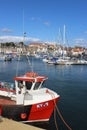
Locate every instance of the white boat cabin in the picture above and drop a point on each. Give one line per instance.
(23, 85)
(29, 82)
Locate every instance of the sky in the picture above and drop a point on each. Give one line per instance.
(44, 20)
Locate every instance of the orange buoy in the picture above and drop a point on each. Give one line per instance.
(23, 115)
(31, 74)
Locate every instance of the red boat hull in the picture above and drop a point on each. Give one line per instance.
(30, 113)
(42, 111)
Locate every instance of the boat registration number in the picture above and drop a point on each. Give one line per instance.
(42, 105)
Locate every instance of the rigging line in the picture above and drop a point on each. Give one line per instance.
(17, 65)
(29, 63)
(26, 54)
(24, 35)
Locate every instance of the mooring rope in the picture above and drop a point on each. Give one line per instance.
(62, 118)
(60, 115)
(55, 120)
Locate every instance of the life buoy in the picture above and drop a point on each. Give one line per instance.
(31, 74)
(23, 115)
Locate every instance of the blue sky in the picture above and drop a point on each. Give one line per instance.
(42, 20)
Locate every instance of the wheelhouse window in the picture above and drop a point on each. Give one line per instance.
(28, 85)
(37, 84)
(20, 84)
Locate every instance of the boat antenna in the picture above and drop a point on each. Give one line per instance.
(24, 38)
(29, 63)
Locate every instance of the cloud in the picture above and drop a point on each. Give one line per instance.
(17, 39)
(85, 32)
(35, 19)
(46, 23)
(80, 42)
(39, 20)
(6, 30)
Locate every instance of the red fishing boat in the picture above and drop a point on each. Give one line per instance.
(27, 100)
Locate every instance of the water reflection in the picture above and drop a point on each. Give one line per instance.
(68, 81)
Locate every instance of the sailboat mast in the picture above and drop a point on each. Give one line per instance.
(63, 40)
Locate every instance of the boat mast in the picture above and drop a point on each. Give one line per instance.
(64, 35)
(59, 37)
(64, 41)
(24, 36)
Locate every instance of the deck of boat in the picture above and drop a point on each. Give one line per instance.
(4, 101)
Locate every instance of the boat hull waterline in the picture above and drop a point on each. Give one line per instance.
(29, 113)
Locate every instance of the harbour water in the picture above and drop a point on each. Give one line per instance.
(69, 81)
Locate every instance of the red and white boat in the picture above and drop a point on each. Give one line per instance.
(27, 100)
